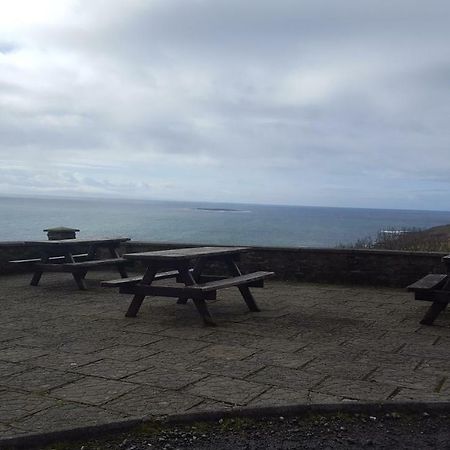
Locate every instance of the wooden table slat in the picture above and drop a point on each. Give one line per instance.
(184, 253)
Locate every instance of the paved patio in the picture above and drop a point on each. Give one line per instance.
(70, 358)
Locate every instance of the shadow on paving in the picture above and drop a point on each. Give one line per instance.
(71, 359)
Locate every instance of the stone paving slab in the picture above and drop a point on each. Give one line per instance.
(70, 358)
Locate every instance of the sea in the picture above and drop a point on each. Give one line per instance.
(206, 223)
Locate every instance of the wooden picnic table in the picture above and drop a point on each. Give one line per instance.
(64, 256)
(187, 266)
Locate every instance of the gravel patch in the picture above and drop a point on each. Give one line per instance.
(329, 431)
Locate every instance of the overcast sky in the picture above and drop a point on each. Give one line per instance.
(319, 102)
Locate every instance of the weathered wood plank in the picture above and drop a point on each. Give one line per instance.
(52, 259)
(180, 254)
(78, 266)
(133, 280)
(165, 291)
(228, 282)
(431, 281)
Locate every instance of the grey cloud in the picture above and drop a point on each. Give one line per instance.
(314, 98)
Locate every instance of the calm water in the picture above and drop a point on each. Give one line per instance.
(214, 224)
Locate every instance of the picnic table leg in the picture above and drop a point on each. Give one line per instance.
(136, 303)
(115, 254)
(244, 290)
(79, 279)
(433, 311)
(38, 273)
(202, 309)
(36, 277)
(78, 276)
(199, 303)
(198, 269)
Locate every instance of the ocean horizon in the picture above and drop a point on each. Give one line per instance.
(25, 218)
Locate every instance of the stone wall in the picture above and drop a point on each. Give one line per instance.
(370, 267)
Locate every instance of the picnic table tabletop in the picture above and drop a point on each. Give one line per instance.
(180, 254)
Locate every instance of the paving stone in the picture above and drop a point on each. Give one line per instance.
(287, 378)
(44, 341)
(227, 352)
(444, 389)
(177, 345)
(93, 391)
(63, 361)
(228, 368)
(135, 339)
(259, 329)
(435, 366)
(144, 326)
(380, 345)
(6, 431)
(230, 337)
(407, 379)
(211, 405)
(341, 368)
(153, 401)
(410, 338)
(7, 368)
(353, 389)
(39, 379)
(111, 368)
(177, 361)
(225, 389)
(67, 416)
(15, 404)
(186, 332)
(19, 354)
(165, 377)
(426, 351)
(125, 352)
(294, 361)
(86, 346)
(387, 360)
(415, 395)
(281, 397)
(277, 345)
(9, 335)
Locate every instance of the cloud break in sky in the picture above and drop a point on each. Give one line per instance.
(314, 102)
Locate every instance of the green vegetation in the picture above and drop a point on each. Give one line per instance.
(436, 239)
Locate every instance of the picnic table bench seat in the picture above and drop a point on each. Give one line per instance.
(79, 256)
(433, 288)
(70, 267)
(206, 291)
(134, 280)
(207, 282)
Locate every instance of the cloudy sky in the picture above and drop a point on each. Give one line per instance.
(317, 102)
